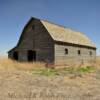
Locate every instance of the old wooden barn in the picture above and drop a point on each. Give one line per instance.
(44, 41)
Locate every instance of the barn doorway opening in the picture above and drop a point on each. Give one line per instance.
(31, 55)
(15, 55)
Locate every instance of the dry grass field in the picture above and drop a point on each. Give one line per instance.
(32, 81)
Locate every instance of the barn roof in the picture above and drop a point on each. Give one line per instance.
(59, 33)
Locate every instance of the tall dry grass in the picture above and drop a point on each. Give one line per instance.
(6, 63)
(97, 62)
(75, 63)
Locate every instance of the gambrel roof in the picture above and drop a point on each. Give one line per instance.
(59, 33)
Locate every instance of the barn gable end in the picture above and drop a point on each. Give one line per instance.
(36, 38)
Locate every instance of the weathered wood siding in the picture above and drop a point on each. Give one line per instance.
(27, 38)
(44, 45)
(73, 53)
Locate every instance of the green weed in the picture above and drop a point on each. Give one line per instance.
(46, 72)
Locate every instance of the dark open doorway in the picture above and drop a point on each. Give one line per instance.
(15, 55)
(31, 55)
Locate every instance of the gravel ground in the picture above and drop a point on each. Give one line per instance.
(20, 85)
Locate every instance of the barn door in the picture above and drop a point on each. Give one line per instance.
(15, 55)
(31, 55)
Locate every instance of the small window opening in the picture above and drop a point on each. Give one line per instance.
(90, 53)
(79, 52)
(66, 51)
